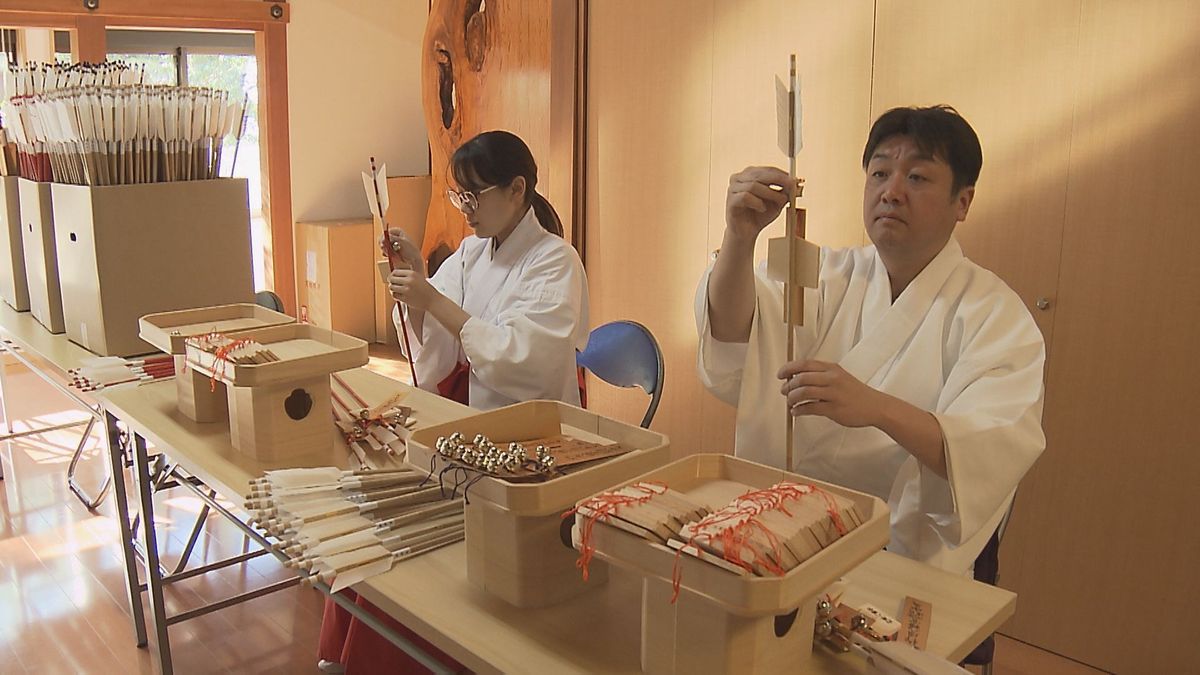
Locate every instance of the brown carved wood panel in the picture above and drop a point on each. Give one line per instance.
(485, 65)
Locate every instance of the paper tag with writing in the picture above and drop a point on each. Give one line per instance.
(915, 617)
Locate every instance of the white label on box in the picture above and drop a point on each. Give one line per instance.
(310, 269)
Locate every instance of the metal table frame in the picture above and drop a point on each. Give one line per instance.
(154, 472)
(94, 409)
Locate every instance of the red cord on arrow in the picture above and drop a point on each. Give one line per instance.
(391, 249)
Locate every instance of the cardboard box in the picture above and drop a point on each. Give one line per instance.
(408, 211)
(129, 250)
(335, 271)
(41, 259)
(14, 287)
(517, 545)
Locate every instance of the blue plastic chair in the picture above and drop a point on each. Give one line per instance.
(625, 354)
(269, 300)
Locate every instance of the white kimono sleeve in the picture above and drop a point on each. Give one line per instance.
(531, 342)
(990, 411)
(722, 365)
(719, 364)
(435, 350)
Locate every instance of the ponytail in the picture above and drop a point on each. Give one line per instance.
(497, 158)
(546, 215)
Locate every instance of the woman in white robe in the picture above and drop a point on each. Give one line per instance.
(919, 373)
(508, 310)
(498, 323)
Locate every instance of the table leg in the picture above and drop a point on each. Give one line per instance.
(4, 387)
(89, 502)
(158, 609)
(116, 458)
(3, 400)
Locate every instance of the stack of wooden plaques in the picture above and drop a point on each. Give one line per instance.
(762, 532)
(726, 547)
(516, 543)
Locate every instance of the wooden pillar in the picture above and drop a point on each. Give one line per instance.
(35, 44)
(271, 51)
(88, 41)
(564, 176)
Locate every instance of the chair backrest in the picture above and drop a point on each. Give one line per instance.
(625, 354)
(269, 300)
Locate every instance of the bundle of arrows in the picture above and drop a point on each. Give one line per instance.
(120, 135)
(341, 527)
(98, 374)
(382, 428)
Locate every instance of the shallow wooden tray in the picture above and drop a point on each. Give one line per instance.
(304, 351)
(170, 330)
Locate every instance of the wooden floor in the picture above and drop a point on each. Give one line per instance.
(62, 598)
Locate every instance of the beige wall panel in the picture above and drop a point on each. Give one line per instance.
(1010, 69)
(650, 90)
(832, 43)
(674, 109)
(1110, 512)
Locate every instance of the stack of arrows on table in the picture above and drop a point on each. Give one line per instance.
(98, 374)
(342, 527)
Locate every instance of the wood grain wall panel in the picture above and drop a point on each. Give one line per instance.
(833, 48)
(1019, 95)
(680, 97)
(1105, 528)
(650, 92)
(492, 66)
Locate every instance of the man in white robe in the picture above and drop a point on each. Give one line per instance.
(918, 376)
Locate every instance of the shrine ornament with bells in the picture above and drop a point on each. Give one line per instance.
(791, 259)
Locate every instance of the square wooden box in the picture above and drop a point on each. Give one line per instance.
(41, 258)
(129, 250)
(723, 622)
(517, 544)
(14, 287)
(276, 410)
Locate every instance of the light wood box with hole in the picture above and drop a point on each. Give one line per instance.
(724, 622)
(277, 411)
(14, 286)
(129, 250)
(169, 331)
(41, 259)
(517, 546)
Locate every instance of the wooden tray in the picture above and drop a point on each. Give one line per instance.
(539, 419)
(303, 349)
(715, 480)
(170, 330)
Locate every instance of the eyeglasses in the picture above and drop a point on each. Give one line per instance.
(467, 201)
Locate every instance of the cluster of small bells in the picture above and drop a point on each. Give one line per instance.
(483, 454)
(363, 422)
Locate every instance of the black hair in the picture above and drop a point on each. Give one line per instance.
(497, 158)
(939, 131)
